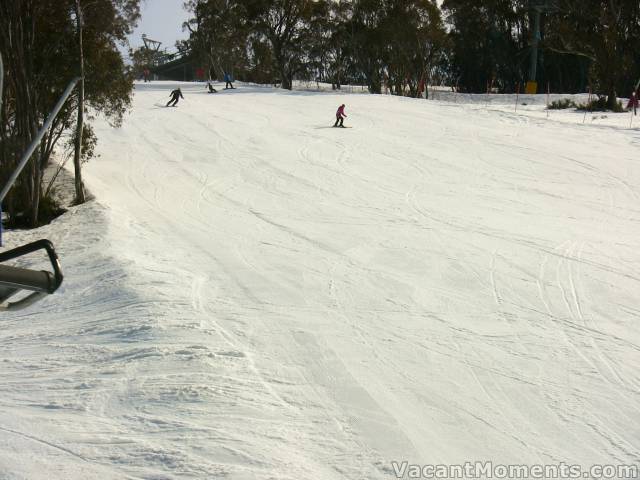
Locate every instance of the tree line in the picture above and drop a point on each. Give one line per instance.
(401, 44)
(379, 43)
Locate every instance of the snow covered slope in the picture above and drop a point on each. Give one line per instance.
(255, 295)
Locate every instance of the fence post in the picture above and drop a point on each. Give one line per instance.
(548, 96)
(584, 119)
(486, 103)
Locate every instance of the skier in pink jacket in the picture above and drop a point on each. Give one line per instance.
(340, 116)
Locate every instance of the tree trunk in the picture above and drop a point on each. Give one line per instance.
(77, 155)
(285, 76)
(375, 82)
(287, 82)
(34, 184)
(612, 98)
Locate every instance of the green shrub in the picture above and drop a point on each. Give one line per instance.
(562, 104)
(49, 209)
(600, 105)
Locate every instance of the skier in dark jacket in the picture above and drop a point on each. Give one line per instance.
(175, 96)
(228, 80)
(211, 89)
(340, 116)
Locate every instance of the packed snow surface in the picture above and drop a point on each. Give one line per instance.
(256, 295)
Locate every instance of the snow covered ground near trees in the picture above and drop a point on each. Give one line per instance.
(254, 295)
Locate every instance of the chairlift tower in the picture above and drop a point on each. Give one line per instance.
(157, 56)
(150, 44)
(538, 7)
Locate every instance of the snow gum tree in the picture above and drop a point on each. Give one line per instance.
(489, 42)
(39, 41)
(608, 33)
(416, 39)
(582, 43)
(284, 24)
(218, 35)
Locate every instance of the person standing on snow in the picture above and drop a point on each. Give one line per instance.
(228, 80)
(633, 103)
(340, 116)
(175, 96)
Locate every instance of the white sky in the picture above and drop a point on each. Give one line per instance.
(161, 20)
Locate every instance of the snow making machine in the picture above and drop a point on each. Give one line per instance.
(14, 280)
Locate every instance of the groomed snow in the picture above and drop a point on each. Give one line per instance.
(254, 295)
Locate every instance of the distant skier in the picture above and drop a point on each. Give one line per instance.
(340, 116)
(175, 96)
(211, 89)
(633, 103)
(228, 79)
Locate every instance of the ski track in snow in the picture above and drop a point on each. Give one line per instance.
(254, 297)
